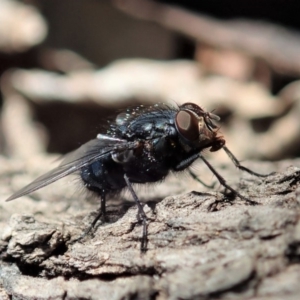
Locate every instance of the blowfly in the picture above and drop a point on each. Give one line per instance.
(142, 145)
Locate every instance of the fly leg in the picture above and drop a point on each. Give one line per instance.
(223, 181)
(141, 212)
(186, 163)
(100, 214)
(239, 166)
(195, 177)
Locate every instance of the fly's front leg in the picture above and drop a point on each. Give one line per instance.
(186, 163)
(195, 177)
(224, 183)
(141, 214)
(239, 166)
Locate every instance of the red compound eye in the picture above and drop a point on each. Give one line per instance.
(187, 124)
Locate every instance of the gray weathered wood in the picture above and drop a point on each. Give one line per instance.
(201, 245)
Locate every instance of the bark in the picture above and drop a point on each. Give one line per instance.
(202, 245)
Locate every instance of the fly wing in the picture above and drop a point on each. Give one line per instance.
(74, 161)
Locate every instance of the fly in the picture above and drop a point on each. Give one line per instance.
(143, 145)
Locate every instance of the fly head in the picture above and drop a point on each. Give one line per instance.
(196, 128)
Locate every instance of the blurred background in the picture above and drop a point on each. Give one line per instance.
(65, 66)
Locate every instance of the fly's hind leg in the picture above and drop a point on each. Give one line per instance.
(101, 214)
(92, 184)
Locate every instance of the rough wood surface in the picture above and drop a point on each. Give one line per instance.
(202, 245)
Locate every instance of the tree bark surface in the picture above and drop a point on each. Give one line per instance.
(202, 244)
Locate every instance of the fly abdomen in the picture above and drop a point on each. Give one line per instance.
(103, 177)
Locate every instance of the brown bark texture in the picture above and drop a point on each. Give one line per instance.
(203, 243)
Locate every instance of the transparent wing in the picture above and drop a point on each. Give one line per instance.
(74, 161)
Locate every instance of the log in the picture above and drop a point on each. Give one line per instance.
(202, 243)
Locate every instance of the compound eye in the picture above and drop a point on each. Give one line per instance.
(187, 124)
